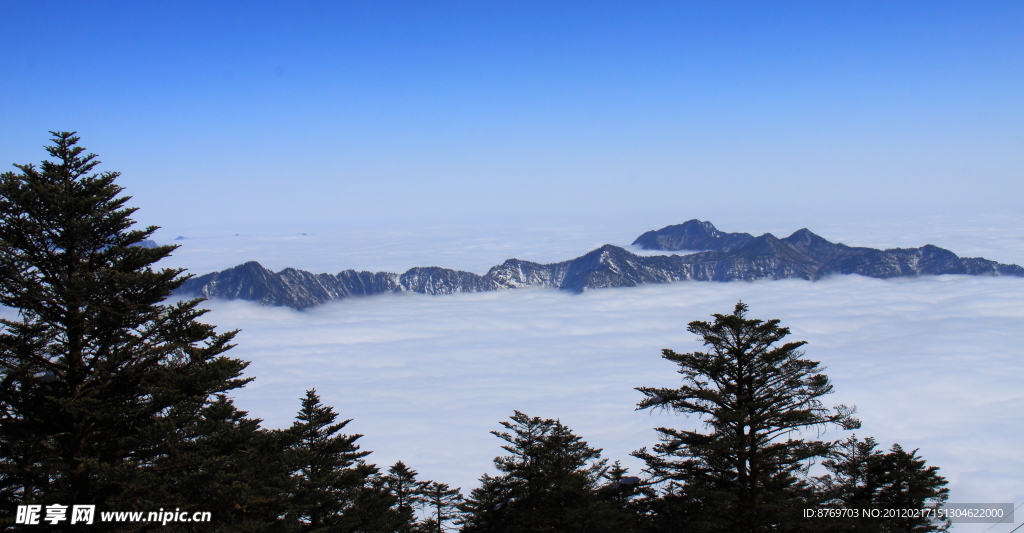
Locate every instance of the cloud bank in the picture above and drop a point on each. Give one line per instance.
(931, 363)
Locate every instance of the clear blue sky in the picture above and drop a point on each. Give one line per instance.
(361, 111)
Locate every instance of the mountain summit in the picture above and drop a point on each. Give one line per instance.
(692, 235)
(725, 257)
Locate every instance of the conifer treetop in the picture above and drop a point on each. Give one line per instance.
(100, 373)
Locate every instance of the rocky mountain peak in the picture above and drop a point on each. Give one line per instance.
(728, 257)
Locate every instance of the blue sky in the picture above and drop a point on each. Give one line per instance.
(360, 113)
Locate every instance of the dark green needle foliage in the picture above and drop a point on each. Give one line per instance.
(110, 395)
(336, 490)
(863, 477)
(550, 481)
(908, 484)
(400, 481)
(97, 374)
(327, 465)
(441, 504)
(224, 463)
(758, 398)
(625, 500)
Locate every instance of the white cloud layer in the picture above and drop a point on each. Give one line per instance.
(931, 363)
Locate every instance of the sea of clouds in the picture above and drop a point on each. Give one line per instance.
(933, 363)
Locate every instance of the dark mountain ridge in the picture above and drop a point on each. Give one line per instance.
(728, 257)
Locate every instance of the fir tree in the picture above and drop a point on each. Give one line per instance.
(549, 482)
(223, 463)
(908, 484)
(863, 477)
(625, 500)
(401, 483)
(487, 506)
(327, 466)
(755, 395)
(97, 365)
(442, 504)
(336, 490)
(374, 509)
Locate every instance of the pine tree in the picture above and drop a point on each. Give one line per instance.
(755, 395)
(441, 503)
(549, 482)
(223, 463)
(401, 483)
(487, 507)
(335, 489)
(625, 501)
(863, 477)
(328, 466)
(97, 365)
(908, 484)
(374, 510)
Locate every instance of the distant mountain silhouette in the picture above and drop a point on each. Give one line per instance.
(727, 257)
(692, 235)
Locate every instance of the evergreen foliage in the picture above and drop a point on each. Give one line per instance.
(327, 466)
(863, 477)
(111, 396)
(441, 504)
(549, 482)
(374, 509)
(225, 463)
(401, 483)
(624, 500)
(755, 396)
(98, 373)
(908, 484)
(335, 489)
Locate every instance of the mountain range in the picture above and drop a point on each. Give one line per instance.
(716, 256)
